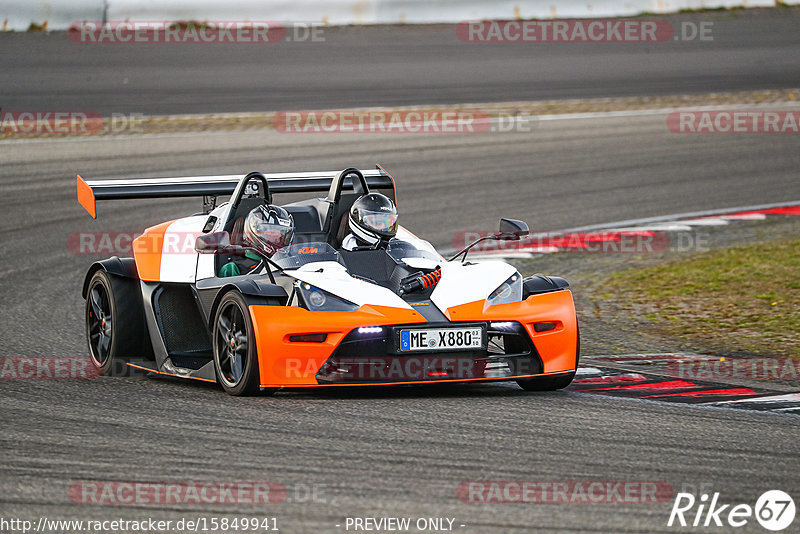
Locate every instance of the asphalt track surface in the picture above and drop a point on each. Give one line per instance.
(389, 66)
(375, 453)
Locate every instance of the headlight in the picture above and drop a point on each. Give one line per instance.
(509, 291)
(317, 299)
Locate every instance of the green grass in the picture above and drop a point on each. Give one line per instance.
(743, 299)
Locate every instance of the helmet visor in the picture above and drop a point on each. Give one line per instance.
(379, 221)
(276, 236)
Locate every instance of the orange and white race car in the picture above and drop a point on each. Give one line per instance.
(316, 314)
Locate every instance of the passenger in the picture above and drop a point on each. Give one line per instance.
(267, 229)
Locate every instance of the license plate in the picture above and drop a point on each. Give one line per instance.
(441, 339)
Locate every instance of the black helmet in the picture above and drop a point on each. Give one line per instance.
(373, 218)
(268, 229)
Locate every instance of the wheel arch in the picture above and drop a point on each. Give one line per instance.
(540, 283)
(124, 267)
(252, 292)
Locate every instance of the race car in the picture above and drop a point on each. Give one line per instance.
(315, 314)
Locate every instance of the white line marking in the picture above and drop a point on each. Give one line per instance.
(710, 221)
(679, 217)
(654, 228)
(655, 111)
(587, 371)
(745, 217)
(774, 399)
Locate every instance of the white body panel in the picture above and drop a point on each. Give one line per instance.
(206, 262)
(421, 263)
(205, 266)
(333, 277)
(421, 244)
(461, 284)
(178, 257)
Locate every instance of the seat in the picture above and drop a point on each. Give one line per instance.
(314, 221)
(235, 227)
(344, 231)
(309, 216)
(339, 225)
(235, 224)
(306, 218)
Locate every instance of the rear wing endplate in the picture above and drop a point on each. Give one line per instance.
(89, 192)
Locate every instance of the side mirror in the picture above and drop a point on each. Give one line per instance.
(213, 243)
(512, 229)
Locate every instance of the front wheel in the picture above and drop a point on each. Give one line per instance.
(235, 353)
(547, 383)
(115, 327)
(553, 383)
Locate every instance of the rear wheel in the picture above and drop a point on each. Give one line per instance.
(115, 328)
(235, 352)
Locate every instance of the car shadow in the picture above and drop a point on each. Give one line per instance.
(509, 389)
(415, 391)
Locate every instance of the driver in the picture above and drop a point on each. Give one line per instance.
(372, 221)
(267, 229)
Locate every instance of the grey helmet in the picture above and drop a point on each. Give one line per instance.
(268, 229)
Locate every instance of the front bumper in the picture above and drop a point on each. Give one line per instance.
(375, 357)
(371, 357)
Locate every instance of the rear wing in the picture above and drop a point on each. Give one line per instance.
(89, 192)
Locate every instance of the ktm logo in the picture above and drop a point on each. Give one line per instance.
(308, 250)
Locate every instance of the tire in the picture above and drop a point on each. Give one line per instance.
(235, 350)
(553, 383)
(115, 327)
